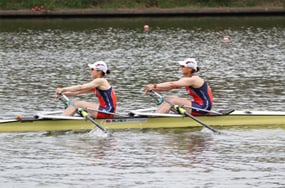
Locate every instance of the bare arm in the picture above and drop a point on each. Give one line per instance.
(75, 93)
(166, 86)
(83, 88)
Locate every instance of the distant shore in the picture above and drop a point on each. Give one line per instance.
(149, 12)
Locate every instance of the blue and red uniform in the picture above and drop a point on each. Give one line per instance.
(202, 99)
(107, 102)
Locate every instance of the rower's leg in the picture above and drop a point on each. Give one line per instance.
(165, 107)
(89, 105)
(71, 110)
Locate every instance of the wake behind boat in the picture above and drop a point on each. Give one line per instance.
(142, 119)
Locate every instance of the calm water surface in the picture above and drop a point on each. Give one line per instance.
(36, 56)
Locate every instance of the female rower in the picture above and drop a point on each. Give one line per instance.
(100, 87)
(196, 87)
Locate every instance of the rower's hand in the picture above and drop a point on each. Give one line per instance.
(58, 92)
(148, 88)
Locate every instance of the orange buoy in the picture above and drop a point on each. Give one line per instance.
(146, 27)
(19, 117)
(226, 39)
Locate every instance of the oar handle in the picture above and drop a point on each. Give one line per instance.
(64, 99)
(158, 99)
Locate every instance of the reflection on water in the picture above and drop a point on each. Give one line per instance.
(36, 56)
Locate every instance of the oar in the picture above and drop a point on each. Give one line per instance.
(80, 111)
(182, 111)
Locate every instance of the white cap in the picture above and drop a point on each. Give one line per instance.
(99, 65)
(189, 62)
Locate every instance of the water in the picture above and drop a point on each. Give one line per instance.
(161, 158)
(39, 55)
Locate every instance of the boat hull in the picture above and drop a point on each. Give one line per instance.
(233, 120)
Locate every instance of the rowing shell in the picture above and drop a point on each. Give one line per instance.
(142, 120)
